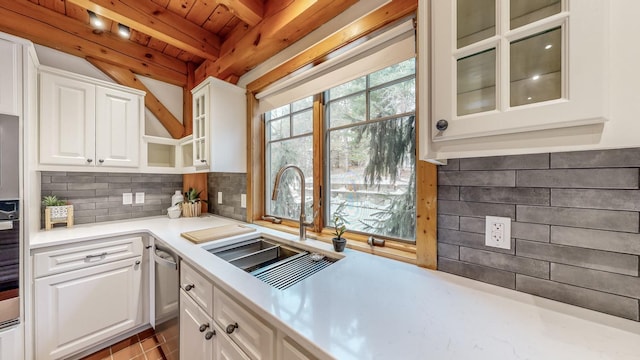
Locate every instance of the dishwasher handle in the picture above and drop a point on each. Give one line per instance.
(164, 258)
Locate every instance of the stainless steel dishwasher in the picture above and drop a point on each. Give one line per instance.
(167, 291)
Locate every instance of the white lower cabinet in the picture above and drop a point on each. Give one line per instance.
(291, 351)
(75, 310)
(195, 327)
(11, 343)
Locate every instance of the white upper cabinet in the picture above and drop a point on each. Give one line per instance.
(513, 66)
(85, 122)
(9, 76)
(219, 127)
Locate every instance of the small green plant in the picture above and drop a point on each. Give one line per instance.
(339, 221)
(52, 200)
(192, 196)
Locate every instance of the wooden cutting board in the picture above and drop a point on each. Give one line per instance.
(215, 233)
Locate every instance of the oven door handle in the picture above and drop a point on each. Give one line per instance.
(164, 258)
(6, 225)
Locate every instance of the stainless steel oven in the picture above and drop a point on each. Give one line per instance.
(9, 263)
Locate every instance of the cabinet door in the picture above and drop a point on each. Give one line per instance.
(511, 66)
(290, 351)
(225, 349)
(117, 128)
(9, 75)
(67, 121)
(82, 308)
(193, 344)
(201, 114)
(11, 343)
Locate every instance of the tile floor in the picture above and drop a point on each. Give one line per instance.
(143, 346)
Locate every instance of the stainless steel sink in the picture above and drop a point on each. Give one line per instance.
(272, 262)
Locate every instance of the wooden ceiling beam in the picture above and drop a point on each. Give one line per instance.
(52, 29)
(396, 9)
(125, 77)
(158, 22)
(249, 11)
(279, 29)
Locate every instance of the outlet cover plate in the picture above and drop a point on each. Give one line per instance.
(219, 197)
(498, 232)
(127, 198)
(139, 198)
(243, 201)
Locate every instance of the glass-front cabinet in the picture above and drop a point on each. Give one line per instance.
(510, 66)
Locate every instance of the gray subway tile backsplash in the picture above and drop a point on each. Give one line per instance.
(232, 185)
(575, 225)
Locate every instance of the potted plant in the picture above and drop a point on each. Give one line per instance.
(339, 228)
(191, 206)
(56, 211)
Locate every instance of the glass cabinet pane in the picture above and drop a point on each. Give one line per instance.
(523, 12)
(536, 68)
(476, 90)
(476, 20)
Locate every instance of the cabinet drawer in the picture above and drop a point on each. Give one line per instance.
(226, 349)
(197, 287)
(76, 257)
(292, 351)
(247, 331)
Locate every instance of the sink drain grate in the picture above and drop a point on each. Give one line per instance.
(289, 273)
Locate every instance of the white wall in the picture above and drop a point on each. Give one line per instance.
(168, 94)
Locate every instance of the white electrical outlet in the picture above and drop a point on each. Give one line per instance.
(243, 200)
(498, 232)
(219, 197)
(139, 198)
(127, 198)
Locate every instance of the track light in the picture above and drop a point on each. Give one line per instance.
(124, 31)
(95, 21)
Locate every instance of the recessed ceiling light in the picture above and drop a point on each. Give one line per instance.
(95, 21)
(549, 46)
(124, 31)
(535, 77)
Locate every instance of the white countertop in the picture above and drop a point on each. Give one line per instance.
(369, 307)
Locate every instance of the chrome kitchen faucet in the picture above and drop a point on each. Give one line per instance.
(274, 196)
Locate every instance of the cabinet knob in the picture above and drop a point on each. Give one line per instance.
(101, 161)
(209, 335)
(189, 287)
(138, 262)
(203, 161)
(89, 161)
(231, 328)
(442, 125)
(204, 327)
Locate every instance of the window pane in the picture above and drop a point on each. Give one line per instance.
(281, 111)
(298, 151)
(347, 111)
(278, 129)
(302, 104)
(396, 99)
(476, 20)
(348, 88)
(477, 83)
(523, 12)
(372, 177)
(303, 123)
(393, 72)
(536, 68)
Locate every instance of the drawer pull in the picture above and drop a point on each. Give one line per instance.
(209, 335)
(203, 327)
(189, 287)
(89, 257)
(231, 328)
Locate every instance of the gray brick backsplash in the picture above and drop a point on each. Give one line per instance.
(524, 196)
(597, 199)
(514, 162)
(596, 239)
(478, 178)
(232, 185)
(477, 272)
(593, 219)
(575, 225)
(462, 208)
(97, 197)
(597, 159)
(446, 192)
(516, 264)
(597, 280)
(586, 258)
(579, 178)
(621, 306)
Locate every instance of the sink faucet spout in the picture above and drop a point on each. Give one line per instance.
(274, 196)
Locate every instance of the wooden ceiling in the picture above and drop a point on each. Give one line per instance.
(177, 41)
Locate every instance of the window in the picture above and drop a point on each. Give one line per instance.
(369, 156)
